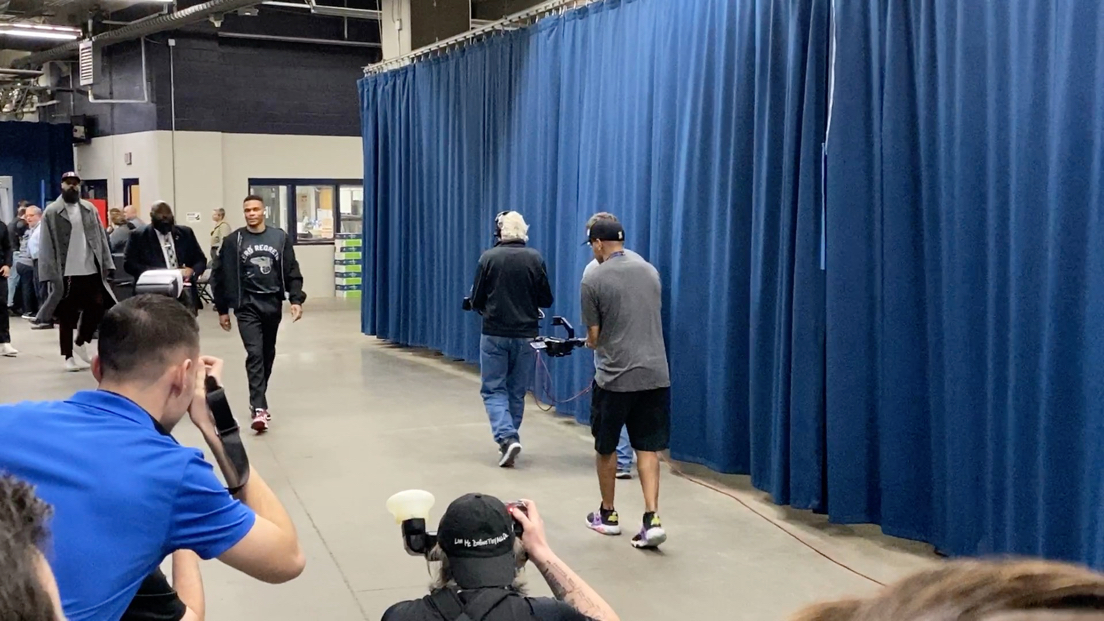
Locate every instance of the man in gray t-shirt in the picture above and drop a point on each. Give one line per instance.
(621, 307)
(624, 449)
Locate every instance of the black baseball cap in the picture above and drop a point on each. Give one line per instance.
(477, 534)
(71, 175)
(605, 230)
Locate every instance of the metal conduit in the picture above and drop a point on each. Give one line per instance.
(158, 24)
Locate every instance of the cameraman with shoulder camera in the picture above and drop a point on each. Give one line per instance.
(481, 556)
(125, 493)
(511, 286)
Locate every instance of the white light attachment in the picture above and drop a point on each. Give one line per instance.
(411, 504)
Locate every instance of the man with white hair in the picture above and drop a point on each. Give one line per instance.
(511, 286)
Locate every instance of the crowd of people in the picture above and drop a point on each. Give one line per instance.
(122, 495)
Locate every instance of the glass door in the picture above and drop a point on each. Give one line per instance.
(314, 212)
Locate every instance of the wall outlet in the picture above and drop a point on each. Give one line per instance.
(126, 158)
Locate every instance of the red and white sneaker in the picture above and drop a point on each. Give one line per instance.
(261, 419)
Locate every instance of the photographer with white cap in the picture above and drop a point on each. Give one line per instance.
(481, 556)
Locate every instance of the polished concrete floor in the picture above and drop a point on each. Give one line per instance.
(356, 419)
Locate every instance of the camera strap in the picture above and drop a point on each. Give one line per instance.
(228, 450)
(449, 605)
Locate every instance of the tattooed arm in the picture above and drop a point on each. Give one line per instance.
(566, 585)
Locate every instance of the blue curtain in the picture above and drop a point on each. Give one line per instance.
(33, 154)
(700, 124)
(965, 289)
(926, 358)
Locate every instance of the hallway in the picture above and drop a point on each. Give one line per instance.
(356, 419)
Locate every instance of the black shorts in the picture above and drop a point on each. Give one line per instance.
(646, 413)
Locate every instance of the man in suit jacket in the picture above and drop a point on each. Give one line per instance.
(163, 245)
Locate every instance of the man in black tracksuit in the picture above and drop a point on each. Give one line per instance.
(255, 272)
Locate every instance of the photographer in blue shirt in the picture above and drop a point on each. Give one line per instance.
(125, 494)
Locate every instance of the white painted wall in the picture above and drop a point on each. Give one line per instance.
(104, 158)
(395, 28)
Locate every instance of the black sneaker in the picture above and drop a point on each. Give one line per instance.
(651, 533)
(604, 521)
(508, 451)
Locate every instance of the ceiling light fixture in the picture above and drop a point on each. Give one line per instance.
(40, 31)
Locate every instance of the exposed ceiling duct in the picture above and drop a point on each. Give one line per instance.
(170, 21)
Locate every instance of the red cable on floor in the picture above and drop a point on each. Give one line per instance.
(724, 492)
(678, 472)
(553, 402)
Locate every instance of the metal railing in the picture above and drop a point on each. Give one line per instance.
(510, 22)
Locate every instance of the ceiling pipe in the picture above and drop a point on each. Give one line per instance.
(282, 39)
(329, 11)
(161, 23)
(23, 73)
(337, 11)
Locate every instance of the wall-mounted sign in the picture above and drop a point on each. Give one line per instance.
(193, 216)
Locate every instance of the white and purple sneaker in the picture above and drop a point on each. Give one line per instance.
(651, 533)
(604, 521)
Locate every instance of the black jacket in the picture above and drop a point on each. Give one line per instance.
(226, 273)
(15, 232)
(5, 247)
(143, 251)
(511, 286)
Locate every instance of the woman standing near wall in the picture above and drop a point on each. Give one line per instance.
(221, 230)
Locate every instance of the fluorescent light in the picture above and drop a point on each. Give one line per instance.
(31, 34)
(40, 31)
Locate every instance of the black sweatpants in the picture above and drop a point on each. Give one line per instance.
(42, 290)
(5, 323)
(83, 302)
(258, 323)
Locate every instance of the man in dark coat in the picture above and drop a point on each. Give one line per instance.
(164, 245)
(74, 259)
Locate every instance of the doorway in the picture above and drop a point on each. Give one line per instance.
(132, 194)
(95, 189)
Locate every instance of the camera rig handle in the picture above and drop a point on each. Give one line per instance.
(557, 347)
(228, 450)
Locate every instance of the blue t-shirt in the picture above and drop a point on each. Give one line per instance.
(125, 496)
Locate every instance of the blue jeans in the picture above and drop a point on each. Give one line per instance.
(624, 451)
(13, 286)
(506, 365)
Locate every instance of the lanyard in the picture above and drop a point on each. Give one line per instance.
(614, 255)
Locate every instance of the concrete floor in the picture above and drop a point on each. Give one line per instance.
(356, 419)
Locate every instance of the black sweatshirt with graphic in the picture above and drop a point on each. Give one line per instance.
(256, 264)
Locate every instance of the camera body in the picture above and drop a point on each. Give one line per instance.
(557, 347)
(418, 541)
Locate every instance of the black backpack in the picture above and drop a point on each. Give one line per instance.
(447, 604)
